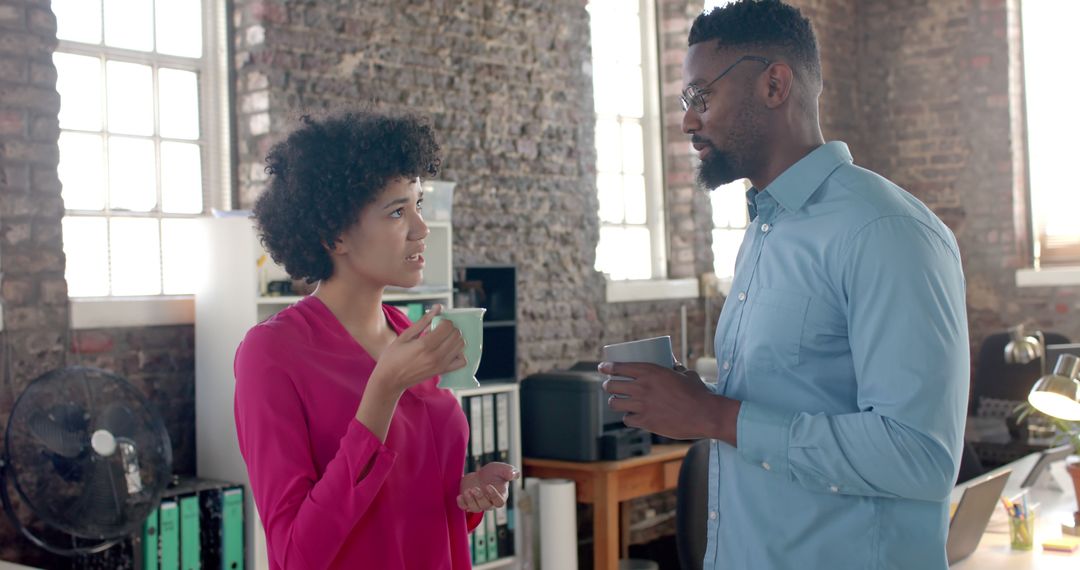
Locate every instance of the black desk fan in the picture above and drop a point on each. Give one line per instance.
(87, 455)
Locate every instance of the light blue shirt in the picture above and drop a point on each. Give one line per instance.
(845, 337)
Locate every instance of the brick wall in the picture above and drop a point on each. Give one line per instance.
(507, 87)
(31, 256)
(940, 117)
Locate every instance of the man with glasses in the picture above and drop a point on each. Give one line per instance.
(837, 415)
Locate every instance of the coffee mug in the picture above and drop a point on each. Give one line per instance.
(470, 323)
(656, 350)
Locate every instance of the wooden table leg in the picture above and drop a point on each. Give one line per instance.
(606, 522)
(624, 530)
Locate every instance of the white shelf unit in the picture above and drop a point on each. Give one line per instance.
(228, 302)
(510, 388)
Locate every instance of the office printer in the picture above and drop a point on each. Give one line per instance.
(565, 415)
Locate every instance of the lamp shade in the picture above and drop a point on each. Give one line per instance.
(1022, 347)
(1058, 394)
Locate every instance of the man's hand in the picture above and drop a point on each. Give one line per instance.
(671, 403)
(487, 488)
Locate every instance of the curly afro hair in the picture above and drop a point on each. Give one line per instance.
(763, 24)
(325, 172)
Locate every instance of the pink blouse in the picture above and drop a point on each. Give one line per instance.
(328, 493)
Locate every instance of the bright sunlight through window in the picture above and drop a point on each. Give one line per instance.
(131, 146)
(1051, 128)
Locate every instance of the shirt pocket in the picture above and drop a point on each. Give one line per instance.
(774, 337)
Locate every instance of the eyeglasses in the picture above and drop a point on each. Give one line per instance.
(694, 96)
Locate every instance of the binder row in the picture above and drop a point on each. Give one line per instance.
(489, 440)
(198, 525)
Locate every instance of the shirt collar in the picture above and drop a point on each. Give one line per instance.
(795, 185)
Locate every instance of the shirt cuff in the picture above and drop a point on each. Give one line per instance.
(473, 520)
(367, 457)
(762, 437)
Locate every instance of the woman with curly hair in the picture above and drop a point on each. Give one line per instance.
(355, 456)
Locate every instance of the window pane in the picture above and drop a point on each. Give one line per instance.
(624, 253)
(78, 20)
(1051, 149)
(178, 92)
(81, 171)
(132, 176)
(135, 256)
(633, 148)
(129, 24)
(725, 247)
(179, 27)
(630, 92)
(634, 198)
(611, 197)
(729, 205)
(131, 98)
(607, 145)
(603, 29)
(628, 32)
(181, 178)
(86, 248)
(606, 92)
(179, 256)
(78, 80)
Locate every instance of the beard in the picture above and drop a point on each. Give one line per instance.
(717, 168)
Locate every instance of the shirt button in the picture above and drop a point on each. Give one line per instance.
(726, 365)
(765, 465)
(834, 489)
(765, 227)
(713, 515)
(742, 295)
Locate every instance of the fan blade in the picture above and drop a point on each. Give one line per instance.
(61, 430)
(102, 504)
(118, 420)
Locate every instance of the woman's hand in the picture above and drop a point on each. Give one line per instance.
(414, 356)
(487, 488)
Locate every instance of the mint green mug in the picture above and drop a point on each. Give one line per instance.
(470, 323)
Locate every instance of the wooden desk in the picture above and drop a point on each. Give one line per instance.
(605, 484)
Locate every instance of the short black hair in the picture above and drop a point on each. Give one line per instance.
(324, 172)
(762, 24)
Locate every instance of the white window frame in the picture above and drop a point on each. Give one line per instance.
(657, 287)
(214, 110)
(1051, 266)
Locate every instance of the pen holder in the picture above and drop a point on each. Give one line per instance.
(1022, 530)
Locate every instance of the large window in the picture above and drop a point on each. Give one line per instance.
(1052, 125)
(628, 165)
(138, 149)
(729, 225)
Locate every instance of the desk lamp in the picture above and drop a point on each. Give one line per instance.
(1023, 348)
(1058, 394)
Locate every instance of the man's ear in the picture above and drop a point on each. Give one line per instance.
(778, 84)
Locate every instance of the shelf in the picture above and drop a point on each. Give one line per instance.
(500, 563)
(492, 324)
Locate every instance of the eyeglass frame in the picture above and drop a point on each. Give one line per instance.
(692, 92)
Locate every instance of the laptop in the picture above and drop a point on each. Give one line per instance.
(972, 514)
